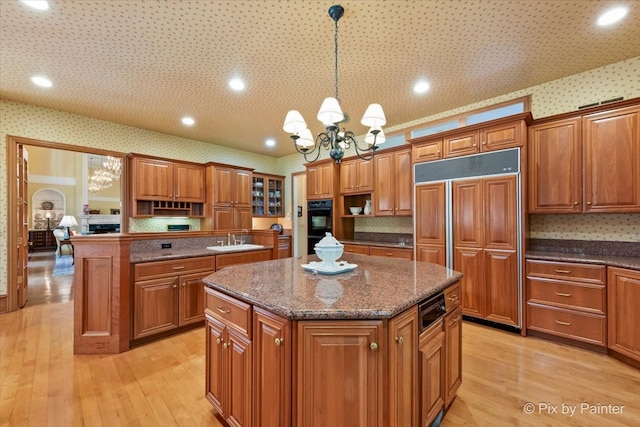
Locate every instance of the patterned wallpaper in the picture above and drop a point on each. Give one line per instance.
(619, 79)
(597, 227)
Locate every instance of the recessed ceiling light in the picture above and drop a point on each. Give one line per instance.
(37, 4)
(270, 142)
(41, 81)
(612, 16)
(421, 86)
(236, 84)
(186, 120)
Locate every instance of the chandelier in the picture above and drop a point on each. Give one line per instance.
(333, 138)
(104, 176)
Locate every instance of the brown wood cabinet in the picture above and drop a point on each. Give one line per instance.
(284, 247)
(267, 194)
(623, 292)
(272, 369)
(567, 300)
(485, 247)
(489, 138)
(393, 185)
(356, 249)
(403, 368)
(229, 197)
(453, 353)
(41, 240)
(334, 357)
(427, 151)
(432, 362)
(356, 176)
(586, 163)
(430, 239)
(169, 295)
(374, 250)
(320, 179)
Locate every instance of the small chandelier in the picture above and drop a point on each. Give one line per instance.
(331, 115)
(113, 165)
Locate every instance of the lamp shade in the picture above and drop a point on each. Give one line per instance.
(370, 137)
(294, 122)
(305, 140)
(49, 215)
(374, 116)
(330, 111)
(68, 221)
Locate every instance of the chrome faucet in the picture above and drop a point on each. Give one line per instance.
(243, 231)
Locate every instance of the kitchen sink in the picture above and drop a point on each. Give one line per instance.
(235, 248)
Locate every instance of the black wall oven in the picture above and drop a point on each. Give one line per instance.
(319, 213)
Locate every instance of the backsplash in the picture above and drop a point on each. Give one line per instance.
(601, 227)
(155, 225)
(382, 224)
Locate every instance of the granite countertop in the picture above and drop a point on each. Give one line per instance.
(613, 261)
(375, 243)
(378, 287)
(168, 254)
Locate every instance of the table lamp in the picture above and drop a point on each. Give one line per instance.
(49, 215)
(68, 221)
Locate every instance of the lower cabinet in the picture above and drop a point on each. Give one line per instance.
(624, 312)
(431, 372)
(453, 352)
(169, 294)
(387, 251)
(403, 365)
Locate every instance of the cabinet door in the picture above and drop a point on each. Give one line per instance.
(623, 294)
(242, 218)
(223, 217)
(272, 370)
(325, 183)
(612, 161)
(223, 193)
(501, 284)
(215, 369)
(192, 298)
(403, 183)
(500, 212)
(468, 213)
(152, 179)
(189, 183)
(403, 369)
(155, 306)
(461, 145)
(430, 214)
(383, 200)
(502, 136)
(348, 177)
(335, 357)
(427, 151)
(470, 261)
(432, 254)
(555, 167)
(453, 352)
(432, 362)
(239, 361)
(364, 175)
(242, 189)
(313, 177)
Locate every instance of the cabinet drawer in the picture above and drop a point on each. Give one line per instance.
(586, 327)
(356, 249)
(585, 297)
(567, 271)
(232, 312)
(151, 270)
(452, 297)
(427, 151)
(391, 252)
(242, 258)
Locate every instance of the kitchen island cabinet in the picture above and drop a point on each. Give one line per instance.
(313, 336)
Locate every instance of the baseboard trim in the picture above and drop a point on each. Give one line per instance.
(4, 300)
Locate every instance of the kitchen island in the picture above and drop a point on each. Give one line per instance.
(286, 346)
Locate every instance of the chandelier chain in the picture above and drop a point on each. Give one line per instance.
(335, 38)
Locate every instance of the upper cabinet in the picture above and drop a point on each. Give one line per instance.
(229, 196)
(588, 163)
(320, 180)
(162, 187)
(393, 183)
(356, 176)
(267, 193)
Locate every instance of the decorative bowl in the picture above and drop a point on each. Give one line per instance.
(355, 210)
(329, 250)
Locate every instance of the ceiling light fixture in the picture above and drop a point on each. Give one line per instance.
(41, 81)
(188, 121)
(612, 16)
(421, 86)
(37, 4)
(331, 115)
(236, 84)
(270, 142)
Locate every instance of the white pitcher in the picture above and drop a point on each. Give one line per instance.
(367, 207)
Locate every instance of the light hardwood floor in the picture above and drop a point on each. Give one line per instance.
(162, 383)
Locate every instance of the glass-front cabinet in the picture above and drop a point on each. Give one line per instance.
(267, 195)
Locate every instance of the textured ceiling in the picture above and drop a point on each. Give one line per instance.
(148, 63)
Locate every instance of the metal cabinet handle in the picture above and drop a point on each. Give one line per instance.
(399, 340)
(175, 286)
(562, 271)
(563, 323)
(225, 345)
(279, 341)
(178, 267)
(575, 203)
(222, 310)
(588, 203)
(184, 284)
(562, 294)
(453, 298)
(218, 340)
(373, 346)
(389, 253)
